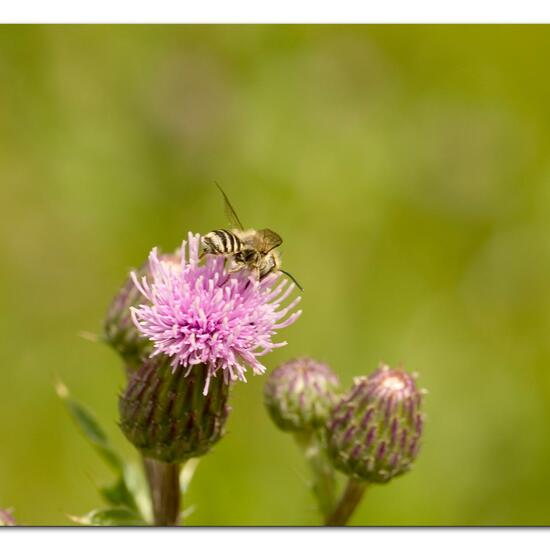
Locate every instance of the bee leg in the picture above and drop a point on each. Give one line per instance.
(236, 269)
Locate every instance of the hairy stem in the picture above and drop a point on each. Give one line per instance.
(323, 482)
(353, 493)
(163, 480)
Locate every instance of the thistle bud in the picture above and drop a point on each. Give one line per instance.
(119, 329)
(164, 413)
(300, 393)
(374, 430)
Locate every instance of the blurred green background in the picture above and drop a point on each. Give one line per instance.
(408, 170)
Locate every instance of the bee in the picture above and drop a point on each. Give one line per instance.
(252, 249)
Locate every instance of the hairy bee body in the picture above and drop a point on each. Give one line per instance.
(252, 249)
(242, 247)
(257, 255)
(222, 242)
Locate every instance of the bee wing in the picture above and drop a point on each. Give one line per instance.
(229, 210)
(267, 240)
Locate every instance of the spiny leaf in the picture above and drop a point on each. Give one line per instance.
(118, 494)
(90, 429)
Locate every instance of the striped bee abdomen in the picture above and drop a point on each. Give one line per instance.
(221, 242)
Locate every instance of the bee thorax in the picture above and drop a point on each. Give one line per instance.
(247, 256)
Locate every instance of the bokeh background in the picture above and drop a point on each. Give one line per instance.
(408, 170)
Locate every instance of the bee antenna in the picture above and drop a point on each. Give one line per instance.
(293, 279)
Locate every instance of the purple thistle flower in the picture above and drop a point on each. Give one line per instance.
(200, 314)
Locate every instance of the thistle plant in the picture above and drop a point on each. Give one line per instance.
(165, 415)
(207, 328)
(374, 433)
(371, 434)
(187, 328)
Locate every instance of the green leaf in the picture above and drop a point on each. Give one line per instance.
(110, 517)
(118, 494)
(129, 493)
(91, 429)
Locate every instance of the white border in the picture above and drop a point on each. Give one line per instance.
(281, 11)
(275, 539)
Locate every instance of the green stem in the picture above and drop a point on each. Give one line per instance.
(323, 483)
(163, 480)
(353, 493)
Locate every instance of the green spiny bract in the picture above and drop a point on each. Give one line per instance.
(165, 415)
(299, 394)
(374, 431)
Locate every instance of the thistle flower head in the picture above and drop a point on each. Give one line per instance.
(374, 430)
(199, 314)
(299, 394)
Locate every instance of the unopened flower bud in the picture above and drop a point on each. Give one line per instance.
(374, 430)
(164, 413)
(300, 393)
(119, 328)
